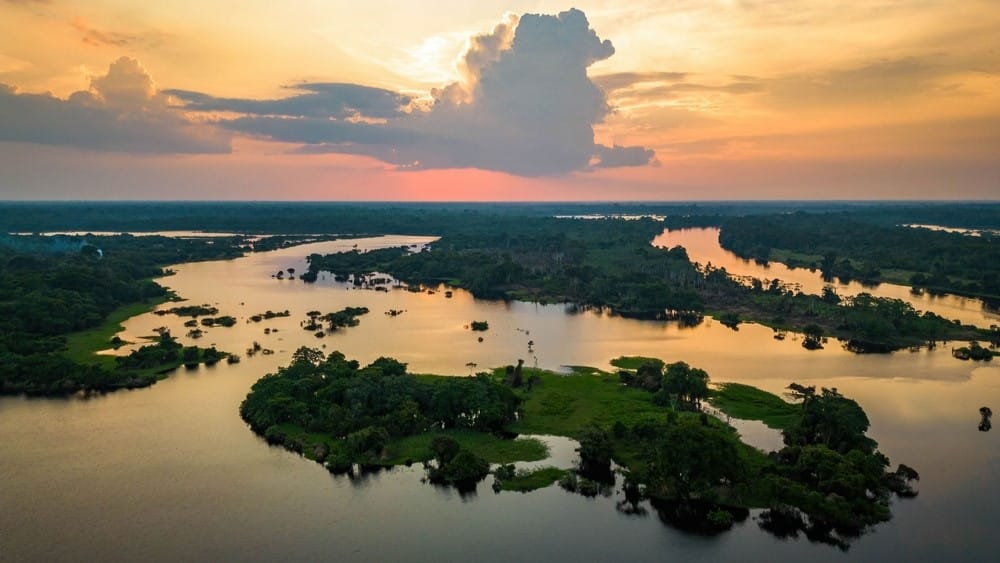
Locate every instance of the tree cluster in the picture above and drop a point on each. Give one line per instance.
(364, 407)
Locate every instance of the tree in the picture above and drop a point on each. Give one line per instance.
(595, 452)
(690, 460)
(831, 420)
(813, 337)
(689, 385)
(445, 448)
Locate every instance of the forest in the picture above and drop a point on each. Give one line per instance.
(597, 263)
(283, 218)
(608, 263)
(853, 247)
(52, 287)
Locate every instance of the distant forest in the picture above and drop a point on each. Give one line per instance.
(436, 218)
(52, 287)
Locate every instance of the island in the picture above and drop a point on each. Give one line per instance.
(609, 264)
(646, 423)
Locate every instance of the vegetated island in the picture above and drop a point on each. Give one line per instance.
(645, 423)
(321, 324)
(610, 264)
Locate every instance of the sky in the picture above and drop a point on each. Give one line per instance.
(489, 101)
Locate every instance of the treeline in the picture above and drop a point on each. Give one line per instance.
(419, 218)
(599, 263)
(850, 247)
(863, 323)
(53, 286)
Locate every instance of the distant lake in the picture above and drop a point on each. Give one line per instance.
(171, 472)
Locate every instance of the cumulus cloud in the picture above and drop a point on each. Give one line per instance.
(122, 111)
(524, 105)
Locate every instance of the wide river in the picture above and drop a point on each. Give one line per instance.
(171, 472)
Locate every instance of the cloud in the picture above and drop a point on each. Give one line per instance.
(524, 105)
(622, 80)
(616, 156)
(322, 100)
(98, 38)
(886, 81)
(122, 111)
(658, 86)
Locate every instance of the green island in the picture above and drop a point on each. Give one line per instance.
(646, 423)
(610, 264)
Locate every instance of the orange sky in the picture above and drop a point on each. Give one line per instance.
(317, 100)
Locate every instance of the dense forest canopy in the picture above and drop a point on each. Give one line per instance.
(431, 218)
(849, 246)
(53, 286)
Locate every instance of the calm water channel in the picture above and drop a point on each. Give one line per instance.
(172, 473)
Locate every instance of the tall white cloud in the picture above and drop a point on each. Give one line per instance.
(524, 105)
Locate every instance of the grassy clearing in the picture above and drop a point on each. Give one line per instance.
(633, 362)
(487, 446)
(527, 481)
(749, 403)
(566, 404)
(82, 347)
(789, 257)
(417, 448)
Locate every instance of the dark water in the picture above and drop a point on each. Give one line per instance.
(171, 472)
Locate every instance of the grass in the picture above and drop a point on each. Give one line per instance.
(788, 257)
(487, 446)
(749, 403)
(633, 362)
(566, 404)
(527, 481)
(82, 347)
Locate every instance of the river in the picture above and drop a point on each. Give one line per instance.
(172, 473)
(703, 247)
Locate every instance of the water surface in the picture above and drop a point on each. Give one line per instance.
(171, 472)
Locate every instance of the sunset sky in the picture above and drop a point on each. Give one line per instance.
(485, 100)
